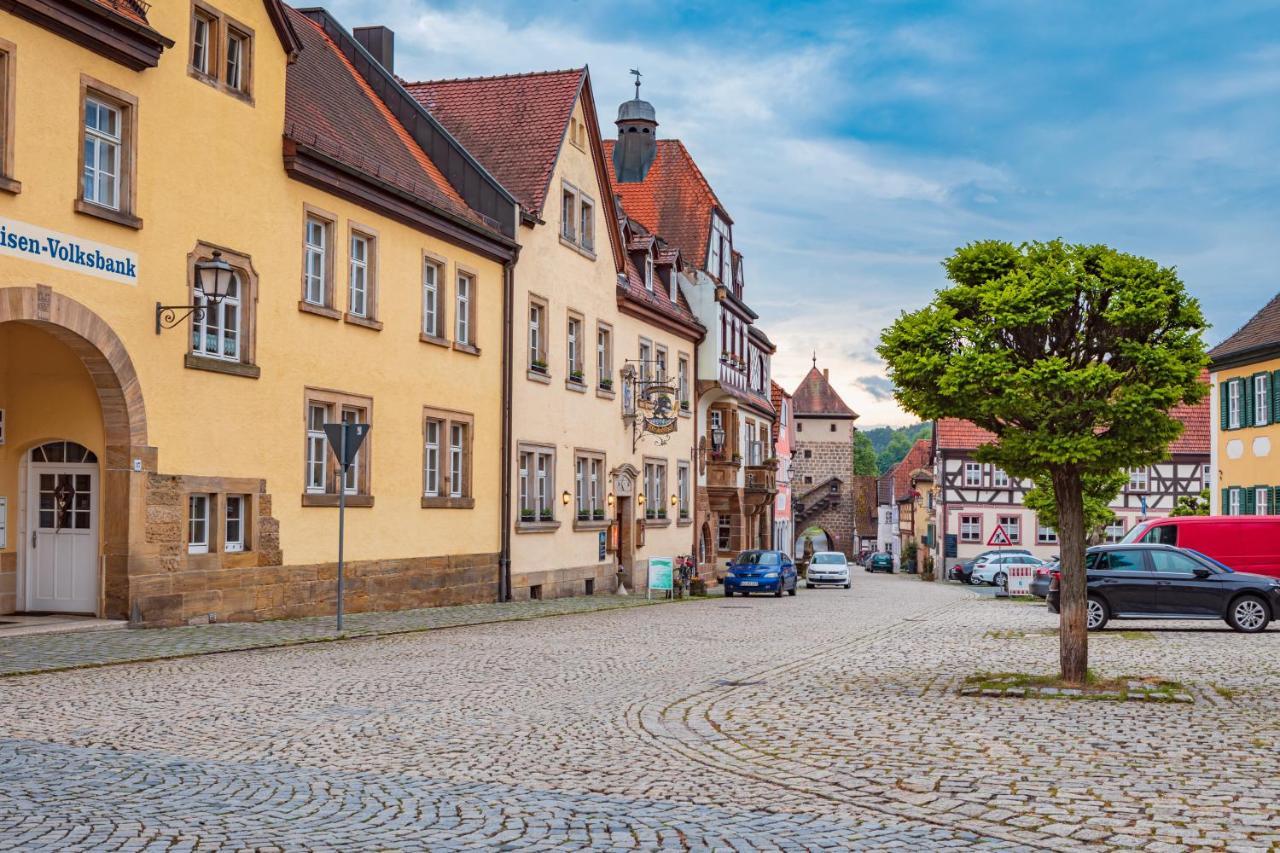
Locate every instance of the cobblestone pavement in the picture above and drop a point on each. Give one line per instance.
(829, 720)
(31, 653)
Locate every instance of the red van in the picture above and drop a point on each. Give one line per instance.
(1246, 543)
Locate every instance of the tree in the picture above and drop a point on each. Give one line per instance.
(864, 455)
(1073, 356)
(894, 452)
(1099, 490)
(1192, 504)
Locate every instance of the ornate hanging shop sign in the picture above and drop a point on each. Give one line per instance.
(650, 404)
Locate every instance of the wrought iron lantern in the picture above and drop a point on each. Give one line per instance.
(213, 277)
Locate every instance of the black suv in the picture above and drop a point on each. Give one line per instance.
(1163, 582)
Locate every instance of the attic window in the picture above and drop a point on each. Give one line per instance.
(648, 273)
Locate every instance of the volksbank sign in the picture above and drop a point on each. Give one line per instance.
(33, 243)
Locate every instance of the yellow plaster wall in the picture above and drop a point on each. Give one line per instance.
(210, 169)
(1258, 459)
(567, 419)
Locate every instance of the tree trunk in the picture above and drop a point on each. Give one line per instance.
(1073, 638)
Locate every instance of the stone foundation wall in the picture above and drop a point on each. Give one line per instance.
(8, 582)
(565, 583)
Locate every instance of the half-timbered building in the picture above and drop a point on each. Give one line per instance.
(977, 497)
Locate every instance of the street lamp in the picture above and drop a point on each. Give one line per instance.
(213, 277)
(717, 438)
(564, 497)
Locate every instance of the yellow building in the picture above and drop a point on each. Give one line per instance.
(1245, 376)
(599, 321)
(168, 466)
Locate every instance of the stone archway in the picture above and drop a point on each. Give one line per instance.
(124, 418)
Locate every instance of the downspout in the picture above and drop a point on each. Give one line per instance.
(508, 306)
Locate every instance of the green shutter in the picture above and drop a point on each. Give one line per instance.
(1246, 403)
(1246, 502)
(1225, 388)
(1226, 502)
(1275, 397)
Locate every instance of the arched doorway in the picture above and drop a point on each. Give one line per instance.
(110, 427)
(822, 541)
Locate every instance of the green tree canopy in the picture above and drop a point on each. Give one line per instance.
(1099, 491)
(864, 455)
(1073, 356)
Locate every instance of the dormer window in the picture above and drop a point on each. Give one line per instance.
(648, 273)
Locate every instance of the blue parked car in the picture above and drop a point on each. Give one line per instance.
(761, 571)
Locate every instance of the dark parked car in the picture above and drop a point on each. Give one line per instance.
(1041, 580)
(880, 562)
(1163, 582)
(761, 571)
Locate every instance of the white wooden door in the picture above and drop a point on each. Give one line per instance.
(62, 537)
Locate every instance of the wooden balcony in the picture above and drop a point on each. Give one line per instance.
(723, 473)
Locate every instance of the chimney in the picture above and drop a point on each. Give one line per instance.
(826, 374)
(381, 44)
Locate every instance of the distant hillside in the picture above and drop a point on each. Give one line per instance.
(892, 443)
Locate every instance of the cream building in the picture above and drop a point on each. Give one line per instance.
(590, 491)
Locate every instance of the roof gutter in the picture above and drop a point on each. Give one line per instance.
(508, 334)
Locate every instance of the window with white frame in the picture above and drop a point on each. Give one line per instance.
(431, 325)
(235, 523)
(970, 528)
(648, 272)
(216, 327)
(999, 478)
(587, 223)
(1045, 534)
(1262, 500)
(447, 437)
(683, 490)
(537, 335)
(568, 206)
(1115, 530)
(682, 379)
(198, 524)
(239, 52)
(316, 262)
(464, 308)
(660, 363)
(972, 474)
(1234, 393)
(1138, 479)
(573, 348)
(646, 360)
(457, 460)
(1261, 399)
(359, 275)
(604, 355)
(352, 479)
(537, 484)
(724, 532)
(1233, 502)
(433, 429)
(103, 141)
(588, 480)
(655, 489)
(1206, 476)
(1012, 525)
(317, 478)
(202, 40)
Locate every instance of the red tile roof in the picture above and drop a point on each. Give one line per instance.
(1262, 330)
(134, 10)
(958, 434)
(919, 456)
(513, 124)
(633, 286)
(330, 107)
(674, 200)
(815, 396)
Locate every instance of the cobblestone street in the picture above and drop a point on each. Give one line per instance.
(830, 720)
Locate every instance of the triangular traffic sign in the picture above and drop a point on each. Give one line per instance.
(999, 536)
(355, 436)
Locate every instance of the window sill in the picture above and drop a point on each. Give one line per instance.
(310, 499)
(572, 385)
(580, 524)
(537, 526)
(432, 339)
(319, 310)
(686, 413)
(97, 211)
(538, 376)
(469, 349)
(448, 503)
(657, 522)
(684, 522)
(357, 320)
(606, 393)
(10, 185)
(217, 365)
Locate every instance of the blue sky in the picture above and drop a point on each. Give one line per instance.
(857, 144)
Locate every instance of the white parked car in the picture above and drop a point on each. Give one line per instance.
(994, 568)
(827, 567)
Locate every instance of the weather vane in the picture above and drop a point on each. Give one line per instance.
(636, 72)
